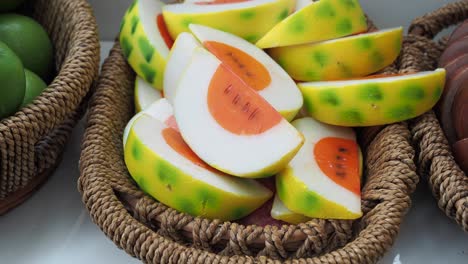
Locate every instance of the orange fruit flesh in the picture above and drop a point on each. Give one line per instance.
(171, 122)
(164, 31)
(339, 159)
(236, 107)
(251, 71)
(177, 143)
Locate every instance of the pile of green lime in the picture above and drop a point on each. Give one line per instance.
(26, 58)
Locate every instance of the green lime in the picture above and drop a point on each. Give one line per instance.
(12, 80)
(29, 41)
(8, 5)
(34, 87)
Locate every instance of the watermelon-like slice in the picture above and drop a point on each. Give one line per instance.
(249, 20)
(254, 67)
(317, 21)
(323, 180)
(376, 100)
(145, 40)
(164, 166)
(228, 124)
(343, 58)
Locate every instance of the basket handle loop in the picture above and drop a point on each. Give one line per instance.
(432, 23)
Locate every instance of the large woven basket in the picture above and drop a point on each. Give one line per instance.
(32, 140)
(155, 233)
(436, 163)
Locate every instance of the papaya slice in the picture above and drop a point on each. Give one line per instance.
(162, 165)
(317, 21)
(323, 180)
(145, 40)
(249, 20)
(254, 67)
(145, 94)
(373, 101)
(227, 124)
(343, 58)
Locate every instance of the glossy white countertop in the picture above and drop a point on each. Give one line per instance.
(54, 227)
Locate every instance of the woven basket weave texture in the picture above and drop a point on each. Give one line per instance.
(155, 233)
(436, 164)
(32, 140)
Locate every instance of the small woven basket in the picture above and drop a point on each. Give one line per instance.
(32, 140)
(155, 233)
(436, 163)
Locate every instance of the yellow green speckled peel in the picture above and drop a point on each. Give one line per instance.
(343, 58)
(246, 60)
(164, 167)
(229, 125)
(249, 20)
(280, 212)
(322, 181)
(318, 21)
(144, 40)
(373, 101)
(145, 94)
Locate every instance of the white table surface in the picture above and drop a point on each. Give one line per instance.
(54, 227)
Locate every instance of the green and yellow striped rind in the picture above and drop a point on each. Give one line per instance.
(374, 101)
(145, 59)
(250, 23)
(299, 199)
(344, 58)
(319, 21)
(171, 186)
(292, 218)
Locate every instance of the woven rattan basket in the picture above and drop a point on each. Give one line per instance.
(155, 233)
(436, 163)
(32, 140)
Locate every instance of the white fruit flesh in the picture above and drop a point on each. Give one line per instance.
(302, 3)
(145, 94)
(240, 155)
(164, 167)
(279, 211)
(160, 110)
(179, 59)
(193, 8)
(282, 92)
(305, 171)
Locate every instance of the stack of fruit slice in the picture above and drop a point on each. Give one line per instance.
(224, 116)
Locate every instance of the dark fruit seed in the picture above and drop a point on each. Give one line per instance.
(342, 150)
(236, 99)
(341, 174)
(246, 107)
(339, 157)
(253, 114)
(228, 89)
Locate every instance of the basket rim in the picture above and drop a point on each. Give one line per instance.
(448, 183)
(46, 123)
(92, 173)
(87, 25)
